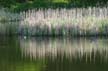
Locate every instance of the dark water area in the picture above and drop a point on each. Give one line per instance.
(53, 54)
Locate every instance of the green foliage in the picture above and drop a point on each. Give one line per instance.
(88, 2)
(28, 4)
(7, 3)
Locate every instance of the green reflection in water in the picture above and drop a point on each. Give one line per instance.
(53, 54)
(11, 59)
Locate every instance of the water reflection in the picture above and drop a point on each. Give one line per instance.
(53, 54)
(65, 47)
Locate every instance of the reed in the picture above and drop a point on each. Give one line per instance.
(74, 21)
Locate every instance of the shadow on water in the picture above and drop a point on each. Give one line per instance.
(53, 54)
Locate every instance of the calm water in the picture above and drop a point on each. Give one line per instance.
(53, 54)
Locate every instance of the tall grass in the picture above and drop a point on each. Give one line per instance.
(8, 22)
(6, 15)
(74, 21)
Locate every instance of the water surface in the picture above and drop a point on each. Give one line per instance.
(53, 54)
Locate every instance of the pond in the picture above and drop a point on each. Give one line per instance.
(53, 54)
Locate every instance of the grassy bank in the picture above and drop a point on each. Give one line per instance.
(55, 22)
(74, 21)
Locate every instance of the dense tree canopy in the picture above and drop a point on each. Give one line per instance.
(88, 2)
(51, 3)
